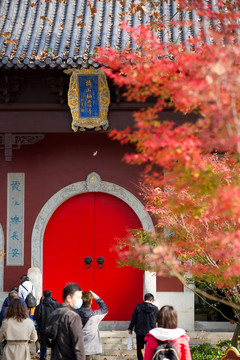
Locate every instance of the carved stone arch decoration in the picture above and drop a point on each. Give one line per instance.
(93, 183)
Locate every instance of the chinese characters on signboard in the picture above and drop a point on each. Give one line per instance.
(88, 99)
(88, 90)
(15, 218)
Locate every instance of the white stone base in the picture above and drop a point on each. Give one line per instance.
(183, 302)
(3, 296)
(214, 326)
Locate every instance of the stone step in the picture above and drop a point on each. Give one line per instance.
(125, 357)
(201, 337)
(116, 325)
(114, 340)
(113, 334)
(118, 351)
(120, 346)
(115, 343)
(196, 337)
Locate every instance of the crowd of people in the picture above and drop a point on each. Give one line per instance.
(77, 324)
(71, 329)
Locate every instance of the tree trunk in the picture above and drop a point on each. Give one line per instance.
(234, 341)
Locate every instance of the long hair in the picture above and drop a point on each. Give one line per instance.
(167, 317)
(16, 310)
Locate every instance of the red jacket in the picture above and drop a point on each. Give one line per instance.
(181, 342)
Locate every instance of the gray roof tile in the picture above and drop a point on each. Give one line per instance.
(51, 33)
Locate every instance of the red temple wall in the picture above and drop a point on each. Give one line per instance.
(53, 163)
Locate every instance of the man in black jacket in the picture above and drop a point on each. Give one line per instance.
(41, 314)
(143, 320)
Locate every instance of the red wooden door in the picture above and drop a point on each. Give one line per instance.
(89, 225)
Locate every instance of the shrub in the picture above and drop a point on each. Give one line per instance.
(207, 351)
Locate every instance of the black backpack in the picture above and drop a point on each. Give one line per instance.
(30, 299)
(51, 330)
(165, 351)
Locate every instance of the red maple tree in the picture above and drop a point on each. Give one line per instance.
(192, 194)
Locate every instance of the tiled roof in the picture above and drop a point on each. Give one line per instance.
(40, 33)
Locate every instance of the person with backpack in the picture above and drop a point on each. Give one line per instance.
(27, 292)
(41, 314)
(143, 320)
(167, 341)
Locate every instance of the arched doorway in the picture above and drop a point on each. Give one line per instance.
(88, 225)
(92, 184)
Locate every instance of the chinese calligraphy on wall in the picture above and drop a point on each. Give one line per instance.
(15, 218)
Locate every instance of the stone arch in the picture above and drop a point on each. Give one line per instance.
(93, 183)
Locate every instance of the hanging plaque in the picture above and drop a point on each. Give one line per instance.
(88, 99)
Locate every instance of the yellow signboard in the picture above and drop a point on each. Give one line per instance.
(88, 99)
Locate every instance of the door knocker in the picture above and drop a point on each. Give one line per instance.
(100, 261)
(88, 262)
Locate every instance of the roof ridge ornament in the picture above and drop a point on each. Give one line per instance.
(88, 99)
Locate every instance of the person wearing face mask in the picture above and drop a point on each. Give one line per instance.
(69, 341)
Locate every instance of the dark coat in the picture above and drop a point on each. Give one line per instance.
(43, 311)
(3, 311)
(69, 343)
(143, 318)
(86, 311)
